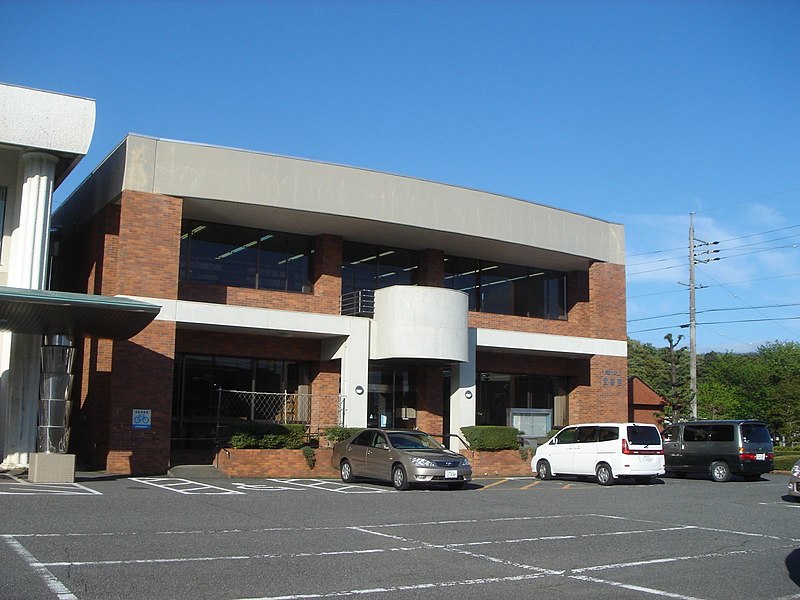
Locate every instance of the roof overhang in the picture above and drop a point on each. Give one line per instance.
(49, 312)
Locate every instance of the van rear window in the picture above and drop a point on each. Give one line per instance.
(643, 436)
(755, 434)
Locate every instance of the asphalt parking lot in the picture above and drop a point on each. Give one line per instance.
(179, 537)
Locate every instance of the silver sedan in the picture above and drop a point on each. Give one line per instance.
(401, 456)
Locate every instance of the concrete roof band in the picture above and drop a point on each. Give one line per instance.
(301, 196)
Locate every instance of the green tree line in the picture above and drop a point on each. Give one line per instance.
(764, 384)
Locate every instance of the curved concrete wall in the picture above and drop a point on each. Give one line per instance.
(420, 323)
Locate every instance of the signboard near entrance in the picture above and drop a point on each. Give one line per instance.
(142, 418)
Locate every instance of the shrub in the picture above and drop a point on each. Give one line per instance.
(491, 437)
(337, 434)
(784, 462)
(268, 435)
(310, 456)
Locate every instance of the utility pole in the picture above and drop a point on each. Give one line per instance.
(694, 243)
(692, 323)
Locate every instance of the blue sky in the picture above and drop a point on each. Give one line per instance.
(633, 112)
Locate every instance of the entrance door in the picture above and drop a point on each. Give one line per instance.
(391, 398)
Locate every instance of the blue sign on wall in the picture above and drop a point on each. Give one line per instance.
(142, 418)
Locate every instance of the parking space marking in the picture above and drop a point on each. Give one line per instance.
(185, 486)
(263, 487)
(530, 485)
(26, 488)
(51, 581)
(489, 485)
(635, 588)
(332, 486)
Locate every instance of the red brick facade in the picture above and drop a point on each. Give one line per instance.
(132, 248)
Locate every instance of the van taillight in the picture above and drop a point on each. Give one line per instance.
(627, 450)
(752, 455)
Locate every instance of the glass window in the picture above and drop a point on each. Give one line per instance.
(755, 434)
(643, 435)
(462, 274)
(508, 289)
(695, 433)
(369, 267)
(721, 433)
(607, 434)
(364, 438)
(669, 434)
(567, 436)
(244, 257)
(587, 435)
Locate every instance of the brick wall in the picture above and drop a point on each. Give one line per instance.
(430, 407)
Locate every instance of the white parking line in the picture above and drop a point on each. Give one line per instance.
(332, 486)
(59, 589)
(185, 486)
(635, 588)
(26, 488)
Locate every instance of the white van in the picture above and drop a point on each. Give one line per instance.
(605, 450)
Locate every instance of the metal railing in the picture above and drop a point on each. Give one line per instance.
(359, 303)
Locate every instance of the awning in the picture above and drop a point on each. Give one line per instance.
(50, 312)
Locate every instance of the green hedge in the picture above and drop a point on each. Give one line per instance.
(337, 434)
(268, 435)
(784, 462)
(491, 437)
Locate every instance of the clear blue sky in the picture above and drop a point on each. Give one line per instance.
(633, 112)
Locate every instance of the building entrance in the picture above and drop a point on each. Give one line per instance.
(392, 398)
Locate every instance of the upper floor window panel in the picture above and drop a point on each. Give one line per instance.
(245, 257)
(506, 289)
(370, 267)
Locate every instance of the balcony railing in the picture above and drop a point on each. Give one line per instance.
(359, 303)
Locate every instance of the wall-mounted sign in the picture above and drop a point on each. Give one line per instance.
(142, 418)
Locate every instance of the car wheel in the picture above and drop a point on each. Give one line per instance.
(346, 471)
(604, 474)
(720, 471)
(543, 469)
(399, 478)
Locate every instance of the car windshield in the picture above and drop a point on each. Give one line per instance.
(643, 436)
(412, 441)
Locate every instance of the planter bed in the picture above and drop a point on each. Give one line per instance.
(292, 464)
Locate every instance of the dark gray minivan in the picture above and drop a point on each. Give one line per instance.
(721, 448)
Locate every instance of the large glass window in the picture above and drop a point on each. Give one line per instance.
(198, 377)
(392, 398)
(370, 267)
(508, 289)
(245, 257)
(502, 396)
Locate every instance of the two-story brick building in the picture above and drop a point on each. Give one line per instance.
(353, 297)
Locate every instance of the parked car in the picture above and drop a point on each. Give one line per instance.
(402, 457)
(606, 450)
(794, 480)
(722, 448)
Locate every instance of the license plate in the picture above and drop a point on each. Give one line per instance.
(761, 456)
(451, 474)
(646, 459)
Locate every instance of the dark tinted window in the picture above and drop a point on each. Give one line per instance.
(722, 433)
(567, 436)
(695, 433)
(669, 434)
(642, 435)
(755, 434)
(379, 441)
(364, 438)
(587, 434)
(608, 433)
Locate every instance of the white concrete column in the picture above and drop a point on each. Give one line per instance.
(462, 393)
(20, 358)
(31, 240)
(353, 351)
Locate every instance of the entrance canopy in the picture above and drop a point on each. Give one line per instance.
(49, 312)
